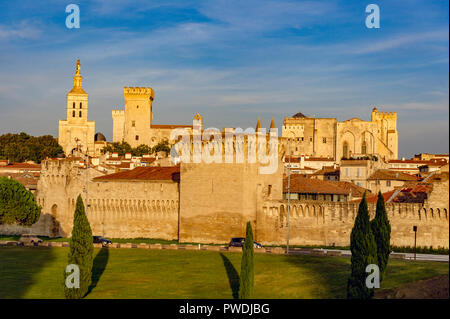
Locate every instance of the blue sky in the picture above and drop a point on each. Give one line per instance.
(231, 61)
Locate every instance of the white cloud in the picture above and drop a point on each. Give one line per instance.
(402, 40)
(23, 30)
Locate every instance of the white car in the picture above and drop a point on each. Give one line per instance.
(29, 239)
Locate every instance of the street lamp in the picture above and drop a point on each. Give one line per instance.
(289, 197)
(87, 171)
(415, 240)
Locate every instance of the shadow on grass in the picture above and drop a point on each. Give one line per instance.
(19, 267)
(233, 276)
(329, 274)
(98, 267)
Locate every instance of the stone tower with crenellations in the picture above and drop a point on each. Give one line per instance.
(134, 123)
(387, 131)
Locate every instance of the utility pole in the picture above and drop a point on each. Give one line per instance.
(289, 197)
(87, 173)
(87, 180)
(415, 240)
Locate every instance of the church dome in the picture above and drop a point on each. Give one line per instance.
(299, 114)
(99, 137)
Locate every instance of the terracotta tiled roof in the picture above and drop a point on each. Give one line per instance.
(144, 174)
(161, 126)
(356, 191)
(387, 174)
(374, 198)
(327, 170)
(303, 185)
(354, 162)
(27, 179)
(34, 167)
(296, 159)
(122, 165)
(419, 162)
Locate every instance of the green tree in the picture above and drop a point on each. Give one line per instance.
(381, 229)
(162, 147)
(142, 150)
(246, 280)
(23, 147)
(81, 251)
(364, 252)
(17, 204)
(121, 148)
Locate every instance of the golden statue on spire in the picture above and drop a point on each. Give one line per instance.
(78, 67)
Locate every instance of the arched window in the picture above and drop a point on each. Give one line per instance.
(73, 104)
(345, 150)
(364, 148)
(80, 114)
(73, 114)
(81, 105)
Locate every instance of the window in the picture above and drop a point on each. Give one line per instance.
(137, 106)
(81, 115)
(324, 140)
(133, 123)
(347, 172)
(269, 190)
(364, 148)
(359, 184)
(81, 105)
(310, 139)
(302, 139)
(73, 104)
(345, 150)
(137, 137)
(73, 114)
(358, 173)
(388, 183)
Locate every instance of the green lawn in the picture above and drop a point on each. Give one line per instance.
(37, 272)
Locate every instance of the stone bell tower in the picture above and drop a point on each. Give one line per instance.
(76, 132)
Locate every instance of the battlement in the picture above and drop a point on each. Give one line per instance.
(118, 112)
(145, 91)
(388, 114)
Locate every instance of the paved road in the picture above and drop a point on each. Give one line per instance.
(347, 253)
(427, 257)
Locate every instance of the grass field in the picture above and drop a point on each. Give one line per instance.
(37, 272)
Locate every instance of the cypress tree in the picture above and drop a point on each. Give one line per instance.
(381, 229)
(246, 280)
(81, 251)
(364, 252)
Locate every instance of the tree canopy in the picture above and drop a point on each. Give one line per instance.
(17, 204)
(23, 147)
(123, 148)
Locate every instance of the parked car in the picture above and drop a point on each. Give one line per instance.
(102, 240)
(239, 242)
(29, 239)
